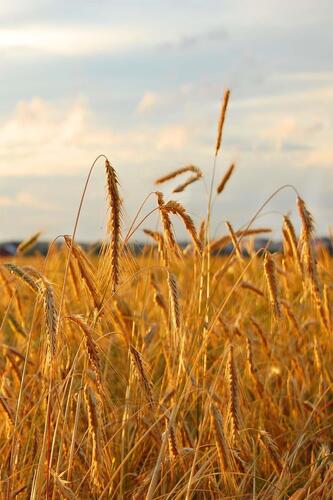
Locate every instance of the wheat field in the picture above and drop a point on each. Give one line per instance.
(178, 373)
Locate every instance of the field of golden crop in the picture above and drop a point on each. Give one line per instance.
(175, 374)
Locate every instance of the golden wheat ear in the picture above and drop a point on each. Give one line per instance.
(225, 179)
(272, 284)
(114, 224)
(221, 121)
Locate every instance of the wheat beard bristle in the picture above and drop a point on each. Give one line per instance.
(114, 222)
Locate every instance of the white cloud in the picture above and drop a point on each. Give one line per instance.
(44, 138)
(174, 137)
(25, 200)
(72, 40)
(148, 102)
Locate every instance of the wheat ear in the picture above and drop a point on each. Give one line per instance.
(270, 274)
(51, 316)
(141, 371)
(174, 300)
(221, 121)
(178, 209)
(87, 272)
(179, 171)
(27, 244)
(225, 179)
(91, 349)
(233, 394)
(94, 431)
(114, 222)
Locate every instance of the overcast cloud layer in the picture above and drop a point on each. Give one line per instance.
(142, 82)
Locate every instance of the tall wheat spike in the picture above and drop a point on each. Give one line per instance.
(174, 300)
(221, 121)
(51, 316)
(233, 394)
(114, 222)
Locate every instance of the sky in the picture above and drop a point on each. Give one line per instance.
(142, 82)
